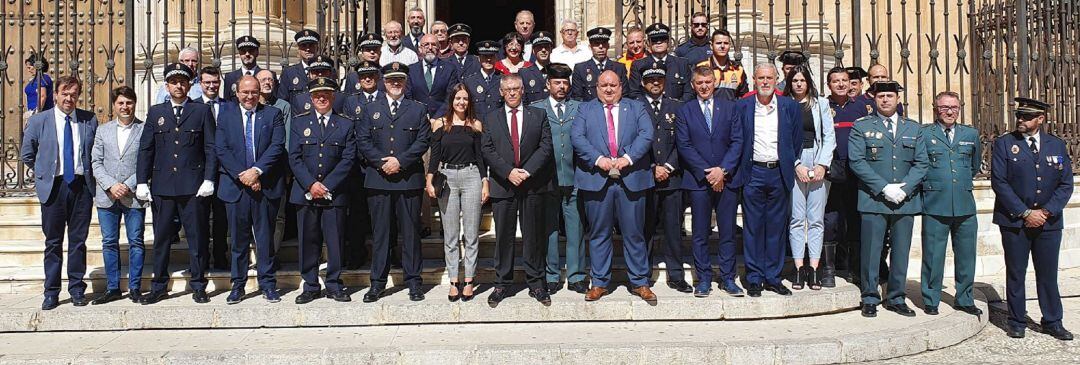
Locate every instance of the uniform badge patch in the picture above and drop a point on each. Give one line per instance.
(307, 106)
(296, 80)
(479, 89)
(532, 83)
(234, 88)
(161, 121)
(873, 149)
(833, 111)
(869, 109)
(307, 132)
(933, 141)
(1015, 149)
(358, 110)
(375, 116)
(588, 77)
(358, 87)
(878, 135)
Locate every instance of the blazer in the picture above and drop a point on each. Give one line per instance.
(177, 155)
(1023, 180)
(270, 155)
(590, 138)
(41, 150)
(878, 158)
(534, 152)
(562, 148)
(446, 76)
(700, 149)
(321, 154)
(664, 153)
(789, 141)
(947, 189)
(404, 135)
(116, 164)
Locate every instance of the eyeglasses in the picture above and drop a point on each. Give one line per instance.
(947, 107)
(701, 25)
(1025, 116)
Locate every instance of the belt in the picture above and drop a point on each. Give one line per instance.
(454, 166)
(768, 165)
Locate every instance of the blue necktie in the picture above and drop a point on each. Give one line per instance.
(708, 115)
(249, 138)
(69, 151)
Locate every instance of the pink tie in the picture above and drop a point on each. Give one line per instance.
(611, 145)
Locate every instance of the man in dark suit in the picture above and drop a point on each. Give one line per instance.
(321, 154)
(516, 144)
(176, 172)
(250, 145)
(467, 64)
(247, 47)
(664, 205)
(612, 140)
(416, 23)
(210, 80)
(393, 137)
(1031, 174)
(294, 78)
(586, 74)
(678, 69)
(772, 138)
(483, 84)
(709, 138)
(57, 144)
(431, 79)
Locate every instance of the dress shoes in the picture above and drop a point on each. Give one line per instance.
(754, 290)
(416, 295)
(703, 289)
(79, 300)
(152, 297)
(645, 293)
(373, 295)
(235, 296)
(731, 288)
(338, 296)
(778, 288)
(135, 295)
(578, 287)
(595, 293)
(553, 288)
(680, 286)
(200, 297)
(108, 296)
(1059, 332)
(931, 310)
(271, 295)
(541, 295)
(901, 309)
(497, 296)
(1014, 332)
(969, 309)
(868, 310)
(50, 303)
(308, 296)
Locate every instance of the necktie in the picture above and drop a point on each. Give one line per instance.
(249, 137)
(611, 144)
(559, 110)
(888, 125)
(69, 151)
(428, 76)
(371, 98)
(656, 106)
(462, 60)
(177, 110)
(948, 134)
(708, 114)
(600, 65)
(393, 108)
(1034, 146)
(514, 137)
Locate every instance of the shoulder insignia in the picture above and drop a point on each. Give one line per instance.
(933, 141)
(878, 135)
(302, 114)
(234, 87)
(375, 116)
(358, 86)
(833, 112)
(1015, 149)
(869, 108)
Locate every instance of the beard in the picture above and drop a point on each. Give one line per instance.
(393, 42)
(416, 30)
(429, 57)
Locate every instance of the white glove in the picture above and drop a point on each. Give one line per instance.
(142, 192)
(894, 193)
(207, 189)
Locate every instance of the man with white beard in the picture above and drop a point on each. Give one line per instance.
(394, 50)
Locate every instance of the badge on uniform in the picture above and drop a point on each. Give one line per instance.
(479, 89)
(878, 135)
(161, 122)
(1015, 149)
(295, 80)
(833, 111)
(869, 109)
(307, 132)
(234, 87)
(375, 116)
(873, 150)
(358, 86)
(358, 110)
(307, 106)
(933, 141)
(588, 77)
(532, 83)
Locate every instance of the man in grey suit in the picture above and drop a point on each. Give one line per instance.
(113, 158)
(57, 143)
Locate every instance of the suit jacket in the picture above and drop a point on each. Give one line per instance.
(700, 149)
(446, 76)
(676, 84)
(534, 151)
(877, 158)
(270, 155)
(116, 164)
(561, 146)
(404, 135)
(176, 156)
(1023, 180)
(946, 191)
(789, 141)
(590, 138)
(664, 152)
(407, 39)
(41, 150)
(228, 87)
(586, 74)
(321, 154)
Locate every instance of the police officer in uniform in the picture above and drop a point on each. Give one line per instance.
(321, 155)
(856, 75)
(460, 35)
(367, 43)
(248, 49)
(587, 73)
(954, 153)
(393, 137)
(664, 204)
(294, 79)
(678, 69)
(1031, 174)
(483, 85)
(320, 66)
(176, 172)
(888, 157)
(534, 77)
(368, 76)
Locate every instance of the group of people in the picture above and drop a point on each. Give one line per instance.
(562, 142)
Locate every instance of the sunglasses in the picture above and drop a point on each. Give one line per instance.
(700, 25)
(1025, 116)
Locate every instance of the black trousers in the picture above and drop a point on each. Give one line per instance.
(359, 224)
(387, 207)
(665, 207)
(318, 225)
(68, 210)
(219, 234)
(253, 218)
(193, 213)
(528, 211)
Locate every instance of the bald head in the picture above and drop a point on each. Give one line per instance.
(609, 87)
(878, 72)
(429, 47)
(247, 91)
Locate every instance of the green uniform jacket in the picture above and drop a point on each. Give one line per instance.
(946, 191)
(878, 159)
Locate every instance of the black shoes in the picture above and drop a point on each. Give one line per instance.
(497, 295)
(271, 295)
(553, 287)
(754, 290)
(1059, 332)
(200, 297)
(799, 281)
(373, 295)
(308, 296)
(108, 296)
(868, 310)
(135, 295)
(681, 286)
(454, 297)
(338, 296)
(969, 309)
(541, 295)
(466, 298)
(50, 303)
(931, 310)
(901, 309)
(778, 288)
(235, 296)
(579, 287)
(416, 294)
(152, 297)
(79, 300)
(1014, 332)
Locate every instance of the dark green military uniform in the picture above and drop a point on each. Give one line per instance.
(953, 155)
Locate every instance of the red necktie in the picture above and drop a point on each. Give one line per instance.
(514, 137)
(611, 145)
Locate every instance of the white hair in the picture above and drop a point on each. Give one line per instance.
(390, 24)
(186, 50)
(569, 21)
(766, 65)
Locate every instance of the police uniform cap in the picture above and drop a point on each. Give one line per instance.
(793, 58)
(855, 72)
(321, 62)
(885, 86)
(370, 40)
(1030, 106)
(460, 29)
(322, 84)
(178, 69)
(395, 69)
(658, 32)
(487, 48)
(367, 68)
(543, 37)
(247, 42)
(306, 36)
(599, 34)
(657, 69)
(558, 71)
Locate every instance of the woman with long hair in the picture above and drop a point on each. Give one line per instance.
(811, 190)
(456, 176)
(513, 46)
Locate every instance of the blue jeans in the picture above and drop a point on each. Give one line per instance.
(134, 221)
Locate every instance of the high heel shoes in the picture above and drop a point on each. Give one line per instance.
(461, 290)
(454, 297)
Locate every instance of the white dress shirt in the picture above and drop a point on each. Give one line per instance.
(1037, 135)
(766, 131)
(433, 67)
(123, 132)
(520, 119)
(403, 54)
(571, 56)
(75, 138)
(894, 119)
(216, 106)
(247, 71)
